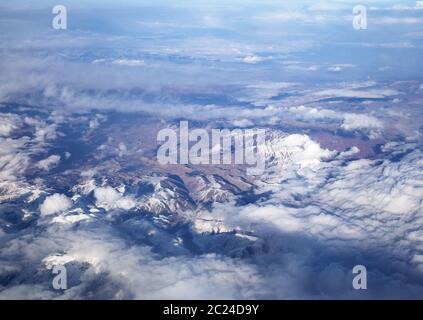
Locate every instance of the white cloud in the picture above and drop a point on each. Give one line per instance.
(398, 20)
(292, 16)
(314, 113)
(129, 62)
(328, 6)
(299, 243)
(357, 93)
(253, 59)
(242, 123)
(8, 123)
(401, 7)
(340, 67)
(109, 198)
(328, 214)
(106, 195)
(318, 213)
(297, 149)
(55, 204)
(347, 121)
(360, 121)
(17, 150)
(48, 163)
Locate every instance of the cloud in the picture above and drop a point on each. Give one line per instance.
(328, 6)
(106, 195)
(293, 16)
(253, 59)
(308, 220)
(17, 149)
(314, 113)
(55, 204)
(129, 62)
(8, 123)
(402, 7)
(100, 261)
(301, 241)
(283, 150)
(357, 93)
(326, 212)
(48, 163)
(360, 121)
(109, 198)
(26, 292)
(242, 123)
(340, 67)
(398, 20)
(346, 120)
